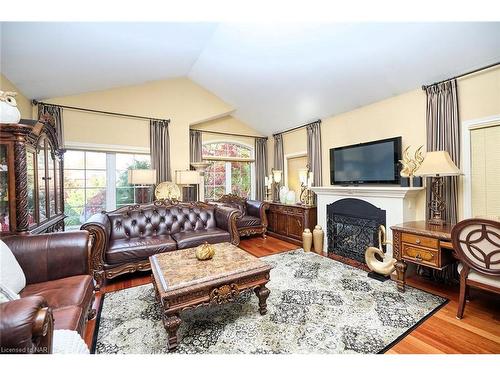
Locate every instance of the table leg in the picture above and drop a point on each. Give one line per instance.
(401, 267)
(262, 292)
(171, 324)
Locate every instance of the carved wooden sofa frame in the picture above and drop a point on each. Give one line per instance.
(101, 271)
(262, 208)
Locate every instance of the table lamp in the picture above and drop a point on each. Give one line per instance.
(143, 179)
(188, 180)
(276, 177)
(306, 179)
(437, 164)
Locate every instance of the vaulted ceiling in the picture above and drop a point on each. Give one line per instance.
(275, 75)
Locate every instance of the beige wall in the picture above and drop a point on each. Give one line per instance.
(479, 95)
(180, 100)
(402, 115)
(23, 103)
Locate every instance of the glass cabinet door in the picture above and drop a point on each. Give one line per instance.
(4, 189)
(57, 177)
(30, 162)
(51, 182)
(42, 193)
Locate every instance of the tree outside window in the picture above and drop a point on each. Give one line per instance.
(224, 175)
(86, 178)
(84, 186)
(125, 193)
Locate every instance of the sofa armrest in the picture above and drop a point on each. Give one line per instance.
(226, 217)
(26, 326)
(99, 228)
(51, 256)
(258, 209)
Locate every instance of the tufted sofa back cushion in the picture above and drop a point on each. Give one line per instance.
(158, 221)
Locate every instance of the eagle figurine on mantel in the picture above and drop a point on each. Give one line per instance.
(9, 113)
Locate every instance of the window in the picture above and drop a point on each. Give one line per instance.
(230, 171)
(84, 185)
(97, 181)
(125, 193)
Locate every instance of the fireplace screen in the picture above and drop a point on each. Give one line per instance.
(352, 226)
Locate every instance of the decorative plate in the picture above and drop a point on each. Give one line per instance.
(167, 190)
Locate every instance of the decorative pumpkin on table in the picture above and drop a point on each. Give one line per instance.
(205, 251)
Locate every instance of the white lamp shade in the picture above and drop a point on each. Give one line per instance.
(303, 176)
(142, 176)
(437, 163)
(277, 175)
(187, 177)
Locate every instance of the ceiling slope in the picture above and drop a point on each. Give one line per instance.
(276, 76)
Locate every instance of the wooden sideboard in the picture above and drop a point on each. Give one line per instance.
(288, 221)
(421, 243)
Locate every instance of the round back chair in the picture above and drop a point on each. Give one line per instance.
(477, 244)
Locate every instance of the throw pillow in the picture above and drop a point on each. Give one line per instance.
(66, 341)
(11, 273)
(7, 295)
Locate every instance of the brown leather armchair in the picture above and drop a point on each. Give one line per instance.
(253, 219)
(124, 239)
(59, 291)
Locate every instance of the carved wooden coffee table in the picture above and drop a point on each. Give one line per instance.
(183, 282)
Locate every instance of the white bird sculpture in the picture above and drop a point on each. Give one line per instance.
(9, 113)
(386, 266)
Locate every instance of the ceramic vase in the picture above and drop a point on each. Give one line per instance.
(290, 197)
(318, 236)
(283, 192)
(307, 238)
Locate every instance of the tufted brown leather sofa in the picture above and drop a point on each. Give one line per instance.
(253, 219)
(59, 291)
(124, 239)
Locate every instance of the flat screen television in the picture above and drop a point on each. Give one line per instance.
(366, 163)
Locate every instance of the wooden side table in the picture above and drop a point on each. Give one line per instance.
(421, 243)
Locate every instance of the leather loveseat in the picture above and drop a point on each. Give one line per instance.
(253, 219)
(124, 239)
(59, 291)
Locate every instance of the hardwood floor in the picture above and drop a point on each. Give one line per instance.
(477, 332)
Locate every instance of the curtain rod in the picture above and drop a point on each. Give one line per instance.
(297, 127)
(35, 102)
(233, 134)
(424, 87)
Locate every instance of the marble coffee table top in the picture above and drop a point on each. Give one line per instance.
(180, 269)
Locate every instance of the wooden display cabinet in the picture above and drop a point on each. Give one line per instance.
(31, 178)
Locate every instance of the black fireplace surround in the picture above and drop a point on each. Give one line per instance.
(352, 226)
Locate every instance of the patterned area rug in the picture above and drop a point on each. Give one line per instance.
(316, 305)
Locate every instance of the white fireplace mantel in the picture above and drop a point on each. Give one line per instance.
(398, 202)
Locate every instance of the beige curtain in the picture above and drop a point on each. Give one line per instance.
(159, 144)
(279, 158)
(56, 112)
(195, 146)
(443, 134)
(314, 151)
(260, 168)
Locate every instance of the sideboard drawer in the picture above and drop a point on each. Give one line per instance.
(425, 256)
(420, 240)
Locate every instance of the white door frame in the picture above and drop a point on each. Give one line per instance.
(466, 128)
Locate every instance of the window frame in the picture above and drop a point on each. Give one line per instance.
(228, 160)
(110, 173)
